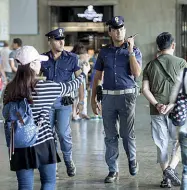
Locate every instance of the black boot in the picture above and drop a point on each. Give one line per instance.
(112, 177)
(133, 167)
(71, 169)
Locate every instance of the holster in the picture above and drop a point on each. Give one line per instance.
(67, 100)
(99, 92)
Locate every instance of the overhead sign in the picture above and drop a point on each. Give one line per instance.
(91, 14)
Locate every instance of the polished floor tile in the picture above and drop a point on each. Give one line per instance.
(88, 155)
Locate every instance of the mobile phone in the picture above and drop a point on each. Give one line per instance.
(133, 36)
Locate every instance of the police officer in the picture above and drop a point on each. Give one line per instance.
(121, 63)
(59, 68)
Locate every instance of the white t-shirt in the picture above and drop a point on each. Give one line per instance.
(5, 59)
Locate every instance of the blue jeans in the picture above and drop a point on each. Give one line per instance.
(60, 118)
(47, 177)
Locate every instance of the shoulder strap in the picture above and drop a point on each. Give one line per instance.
(182, 84)
(168, 77)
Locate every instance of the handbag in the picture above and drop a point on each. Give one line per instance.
(179, 112)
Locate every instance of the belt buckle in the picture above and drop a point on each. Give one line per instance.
(115, 92)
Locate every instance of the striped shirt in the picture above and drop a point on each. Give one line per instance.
(44, 96)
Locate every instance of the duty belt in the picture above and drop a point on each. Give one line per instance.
(119, 92)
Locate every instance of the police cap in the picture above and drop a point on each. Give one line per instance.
(57, 34)
(116, 22)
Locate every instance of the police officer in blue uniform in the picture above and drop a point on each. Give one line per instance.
(121, 63)
(59, 68)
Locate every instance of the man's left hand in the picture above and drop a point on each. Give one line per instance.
(130, 44)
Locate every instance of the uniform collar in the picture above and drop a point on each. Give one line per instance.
(123, 46)
(64, 53)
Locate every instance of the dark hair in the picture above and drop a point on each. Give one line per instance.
(21, 86)
(17, 41)
(6, 44)
(164, 41)
(97, 51)
(79, 48)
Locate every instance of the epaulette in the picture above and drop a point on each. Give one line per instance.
(106, 46)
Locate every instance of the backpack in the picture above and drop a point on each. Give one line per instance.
(179, 113)
(20, 128)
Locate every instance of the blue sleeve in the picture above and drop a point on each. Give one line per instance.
(99, 65)
(138, 55)
(76, 67)
(42, 69)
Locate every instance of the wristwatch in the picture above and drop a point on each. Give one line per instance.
(132, 54)
(81, 103)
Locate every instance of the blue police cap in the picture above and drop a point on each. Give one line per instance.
(116, 22)
(56, 34)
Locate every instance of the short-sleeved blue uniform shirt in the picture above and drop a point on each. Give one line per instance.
(60, 70)
(115, 63)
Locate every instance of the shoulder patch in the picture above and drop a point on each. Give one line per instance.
(71, 54)
(106, 46)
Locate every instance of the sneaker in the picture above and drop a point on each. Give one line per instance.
(71, 169)
(184, 182)
(165, 183)
(171, 174)
(112, 177)
(133, 167)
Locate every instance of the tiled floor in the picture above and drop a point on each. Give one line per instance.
(88, 154)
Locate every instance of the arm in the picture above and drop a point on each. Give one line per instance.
(72, 85)
(12, 65)
(3, 73)
(149, 96)
(147, 93)
(174, 92)
(135, 65)
(99, 67)
(81, 88)
(176, 88)
(97, 81)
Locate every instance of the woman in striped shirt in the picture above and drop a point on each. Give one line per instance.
(42, 155)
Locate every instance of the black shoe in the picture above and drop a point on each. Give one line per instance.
(133, 167)
(71, 169)
(165, 183)
(171, 174)
(112, 177)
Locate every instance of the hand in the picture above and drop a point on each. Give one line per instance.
(96, 107)
(79, 108)
(131, 44)
(168, 108)
(84, 57)
(86, 68)
(161, 108)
